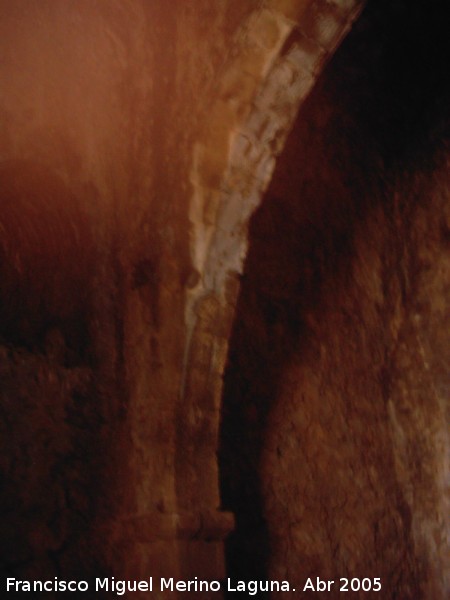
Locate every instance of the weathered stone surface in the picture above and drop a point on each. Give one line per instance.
(237, 160)
(137, 140)
(95, 258)
(335, 419)
(50, 430)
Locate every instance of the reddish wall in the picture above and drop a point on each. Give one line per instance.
(335, 442)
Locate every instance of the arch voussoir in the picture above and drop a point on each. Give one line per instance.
(280, 55)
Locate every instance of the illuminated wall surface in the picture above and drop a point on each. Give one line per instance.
(224, 299)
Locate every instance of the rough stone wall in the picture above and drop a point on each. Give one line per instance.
(99, 116)
(136, 140)
(355, 459)
(335, 425)
(121, 122)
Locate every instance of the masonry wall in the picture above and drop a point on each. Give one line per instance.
(335, 422)
(136, 139)
(100, 104)
(127, 179)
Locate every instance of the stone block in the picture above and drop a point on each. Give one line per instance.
(246, 153)
(264, 170)
(239, 87)
(322, 23)
(268, 29)
(257, 125)
(286, 86)
(239, 182)
(255, 60)
(305, 53)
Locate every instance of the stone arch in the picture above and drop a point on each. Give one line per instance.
(168, 147)
(273, 65)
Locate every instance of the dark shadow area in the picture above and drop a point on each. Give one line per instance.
(46, 258)
(50, 416)
(378, 115)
